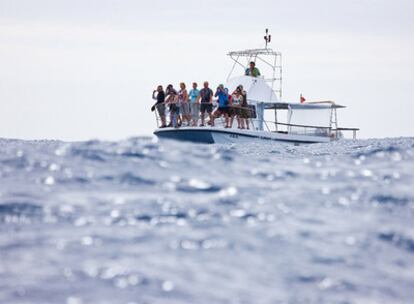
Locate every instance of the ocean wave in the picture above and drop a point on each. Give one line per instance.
(397, 239)
(390, 200)
(142, 221)
(20, 208)
(127, 178)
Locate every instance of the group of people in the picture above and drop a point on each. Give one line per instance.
(185, 108)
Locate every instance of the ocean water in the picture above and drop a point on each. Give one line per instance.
(141, 221)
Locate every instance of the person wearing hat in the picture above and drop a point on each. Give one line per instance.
(252, 70)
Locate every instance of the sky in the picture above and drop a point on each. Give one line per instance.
(86, 69)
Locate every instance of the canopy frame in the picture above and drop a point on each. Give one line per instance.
(270, 58)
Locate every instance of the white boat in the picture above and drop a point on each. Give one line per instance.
(309, 122)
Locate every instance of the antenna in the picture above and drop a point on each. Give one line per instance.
(267, 37)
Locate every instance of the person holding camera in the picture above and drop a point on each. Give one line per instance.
(223, 105)
(159, 96)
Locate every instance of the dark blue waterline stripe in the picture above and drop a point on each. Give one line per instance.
(206, 136)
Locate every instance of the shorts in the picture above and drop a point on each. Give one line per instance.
(161, 109)
(221, 111)
(206, 107)
(245, 113)
(235, 111)
(185, 108)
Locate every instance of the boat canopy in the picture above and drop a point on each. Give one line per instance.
(308, 105)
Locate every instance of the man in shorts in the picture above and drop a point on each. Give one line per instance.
(206, 97)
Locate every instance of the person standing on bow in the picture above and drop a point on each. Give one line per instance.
(160, 104)
(183, 104)
(245, 109)
(252, 70)
(206, 95)
(171, 100)
(236, 107)
(223, 105)
(194, 95)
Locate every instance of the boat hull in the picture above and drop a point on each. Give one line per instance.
(210, 135)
